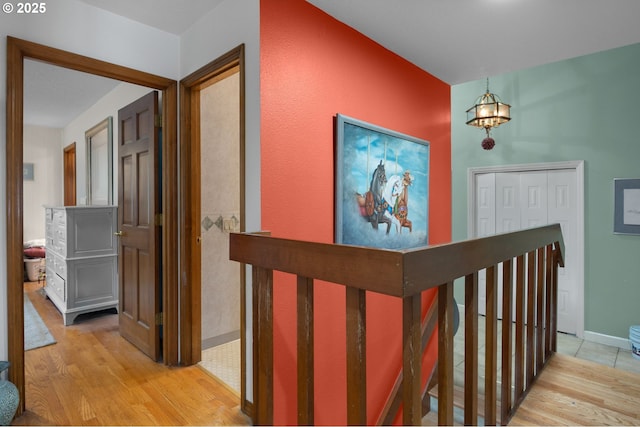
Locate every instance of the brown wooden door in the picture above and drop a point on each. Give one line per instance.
(70, 175)
(140, 240)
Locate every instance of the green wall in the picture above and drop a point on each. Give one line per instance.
(586, 108)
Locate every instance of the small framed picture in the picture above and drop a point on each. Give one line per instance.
(626, 218)
(27, 171)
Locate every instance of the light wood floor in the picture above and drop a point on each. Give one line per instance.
(572, 391)
(92, 376)
(576, 392)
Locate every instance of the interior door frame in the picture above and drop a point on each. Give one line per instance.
(190, 273)
(69, 172)
(578, 166)
(17, 51)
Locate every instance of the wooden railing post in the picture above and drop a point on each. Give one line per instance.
(356, 357)
(491, 347)
(445, 354)
(507, 316)
(548, 307)
(540, 311)
(554, 301)
(411, 360)
(305, 351)
(263, 345)
(519, 347)
(531, 293)
(471, 349)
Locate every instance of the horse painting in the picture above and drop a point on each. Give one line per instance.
(375, 206)
(375, 170)
(387, 200)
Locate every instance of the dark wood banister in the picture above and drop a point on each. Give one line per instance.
(406, 274)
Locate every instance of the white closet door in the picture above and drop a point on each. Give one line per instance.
(521, 203)
(562, 209)
(508, 202)
(486, 205)
(485, 223)
(507, 218)
(531, 199)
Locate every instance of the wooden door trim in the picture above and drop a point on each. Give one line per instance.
(190, 289)
(69, 184)
(576, 165)
(17, 51)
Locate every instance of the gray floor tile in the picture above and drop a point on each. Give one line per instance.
(627, 362)
(568, 344)
(599, 353)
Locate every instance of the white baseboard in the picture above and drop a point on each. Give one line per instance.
(596, 337)
(607, 340)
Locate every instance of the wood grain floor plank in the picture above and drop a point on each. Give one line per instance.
(92, 376)
(573, 391)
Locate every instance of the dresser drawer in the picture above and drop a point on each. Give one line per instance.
(56, 285)
(59, 217)
(60, 266)
(60, 234)
(48, 225)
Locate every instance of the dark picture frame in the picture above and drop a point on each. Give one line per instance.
(626, 216)
(381, 186)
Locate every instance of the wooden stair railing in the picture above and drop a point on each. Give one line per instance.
(406, 274)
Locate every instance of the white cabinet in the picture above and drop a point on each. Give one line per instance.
(82, 259)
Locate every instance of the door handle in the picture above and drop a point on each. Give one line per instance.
(118, 233)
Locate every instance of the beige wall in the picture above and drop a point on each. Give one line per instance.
(220, 210)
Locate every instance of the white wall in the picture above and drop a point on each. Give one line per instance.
(43, 148)
(109, 105)
(227, 26)
(77, 27)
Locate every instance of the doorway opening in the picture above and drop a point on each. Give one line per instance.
(219, 215)
(17, 51)
(213, 297)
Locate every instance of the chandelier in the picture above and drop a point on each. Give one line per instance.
(488, 112)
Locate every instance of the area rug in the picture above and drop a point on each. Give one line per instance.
(36, 333)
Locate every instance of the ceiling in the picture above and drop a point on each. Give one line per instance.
(464, 40)
(456, 41)
(54, 96)
(172, 16)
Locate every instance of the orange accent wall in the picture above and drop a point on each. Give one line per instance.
(312, 67)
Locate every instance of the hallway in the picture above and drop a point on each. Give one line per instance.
(92, 376)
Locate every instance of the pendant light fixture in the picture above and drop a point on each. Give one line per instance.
(488, 112)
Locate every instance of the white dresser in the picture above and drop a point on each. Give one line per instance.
(82, 259)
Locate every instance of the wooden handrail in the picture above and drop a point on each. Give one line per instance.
(406, 274)
(399, 273)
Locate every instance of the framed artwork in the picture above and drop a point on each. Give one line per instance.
(27, 172)
(626, 217)
(381, 186)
